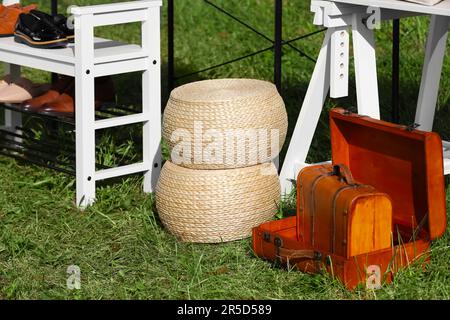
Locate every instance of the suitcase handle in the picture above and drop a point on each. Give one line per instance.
(343, 172)
(299, 254)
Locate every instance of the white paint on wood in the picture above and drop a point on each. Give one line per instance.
(365, 69)
(432, 70)
(122, 171)
(84, 110)
(151, 99)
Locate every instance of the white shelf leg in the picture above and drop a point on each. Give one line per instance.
(84, 110)
(151, 99)
(13, 119)
(431, 73)
(365, 69)
(308, 118)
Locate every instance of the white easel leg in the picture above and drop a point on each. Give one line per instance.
(308, 117)
(431, 73)
(151, 100)
(365, 69)
(85, 110)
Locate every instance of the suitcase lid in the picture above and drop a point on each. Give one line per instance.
(406, 164)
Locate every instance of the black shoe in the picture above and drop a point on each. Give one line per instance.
(59, 21)
(38, 32)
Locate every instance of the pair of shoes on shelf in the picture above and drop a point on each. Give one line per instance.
(9, 16)
(19, 90)
(40, 30)
(59, 101)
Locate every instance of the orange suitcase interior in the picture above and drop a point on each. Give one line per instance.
(406, 164)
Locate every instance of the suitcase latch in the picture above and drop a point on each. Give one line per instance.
(412, 127)
(349, 111)
(317, 256)
(266, 237)
(278, 242)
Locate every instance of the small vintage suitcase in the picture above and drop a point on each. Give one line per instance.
(405, 164)
(338, 215)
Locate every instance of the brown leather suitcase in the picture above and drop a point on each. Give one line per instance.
(405, 164)
(336, 214)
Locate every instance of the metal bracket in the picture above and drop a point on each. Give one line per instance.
(340, 18)
(339, 66)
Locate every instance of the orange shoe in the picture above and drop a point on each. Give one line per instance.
(64, 105)
(2, 7)
(61, 86)
(9, 16)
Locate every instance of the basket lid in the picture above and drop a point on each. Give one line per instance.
(224, 90)
(405, 163)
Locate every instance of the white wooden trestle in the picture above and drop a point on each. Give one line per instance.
(331, 70)
(91, 57)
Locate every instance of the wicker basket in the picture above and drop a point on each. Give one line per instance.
(236, 109)
(213, 206)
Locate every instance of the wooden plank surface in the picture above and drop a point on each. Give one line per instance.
(442, 8)
(105, 51)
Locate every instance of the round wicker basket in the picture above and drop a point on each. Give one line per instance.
(211, 206)
(243, 120)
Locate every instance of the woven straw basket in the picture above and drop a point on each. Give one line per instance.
(233, 108)
(213, 206)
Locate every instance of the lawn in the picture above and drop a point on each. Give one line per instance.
(119, 243)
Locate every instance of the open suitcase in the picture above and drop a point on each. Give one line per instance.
(404, 168)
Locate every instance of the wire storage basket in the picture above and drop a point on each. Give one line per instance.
(211, 206)
(245, 118)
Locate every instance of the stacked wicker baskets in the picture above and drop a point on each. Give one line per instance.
(220, 182)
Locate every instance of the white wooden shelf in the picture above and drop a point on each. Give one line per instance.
(62, 60)
(91, 57)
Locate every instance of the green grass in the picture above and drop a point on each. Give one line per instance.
(119, 243)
